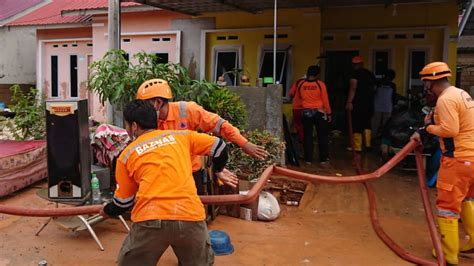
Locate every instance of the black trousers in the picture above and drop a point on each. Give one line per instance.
(199, 181)
(361, 119)
(311, 118)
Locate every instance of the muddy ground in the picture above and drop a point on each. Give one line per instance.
(330, 226)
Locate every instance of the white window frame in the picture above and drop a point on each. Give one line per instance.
(390, 58)
(222, 49)
(287, 48)
(415, 82)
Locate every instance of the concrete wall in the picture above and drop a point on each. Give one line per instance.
(263, 107)
(18, 58)
(191, 41)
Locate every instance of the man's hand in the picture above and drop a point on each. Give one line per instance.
(429, 119)
(349, 106)
(228, 178)
(255, 151)
(416, 137)
(102, 213)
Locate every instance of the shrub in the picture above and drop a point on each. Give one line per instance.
(116, 80)
(29, 121)
(249, 168)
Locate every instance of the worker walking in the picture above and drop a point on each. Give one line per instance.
(154, 176)
(360, 102)
(453, 122)
(189, 115)
(316, 111)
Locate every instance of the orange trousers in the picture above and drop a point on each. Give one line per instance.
(455, 183)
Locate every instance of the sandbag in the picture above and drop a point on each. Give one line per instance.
(268, 207)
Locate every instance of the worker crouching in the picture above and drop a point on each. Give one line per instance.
(154, 175)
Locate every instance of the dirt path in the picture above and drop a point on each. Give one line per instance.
(330, 227)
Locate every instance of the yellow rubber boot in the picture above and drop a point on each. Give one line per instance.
(449, 239)
(357, 141)
(467, 216)
(368, 138)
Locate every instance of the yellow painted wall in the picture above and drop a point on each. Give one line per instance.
(399, 49)
(370, 21)
(303, 35)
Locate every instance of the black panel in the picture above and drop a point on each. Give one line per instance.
(73, 71)
(54, 76)
(68, 149)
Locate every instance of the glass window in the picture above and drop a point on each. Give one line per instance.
(54, 76)
(226, 61)
(266, 67)
(381, 62)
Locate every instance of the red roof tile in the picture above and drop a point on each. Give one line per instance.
(51, 13)
(10, 8)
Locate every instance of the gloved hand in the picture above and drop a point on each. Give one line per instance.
(429, 119)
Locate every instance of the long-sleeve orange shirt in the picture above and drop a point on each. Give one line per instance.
(154, 174)
(189, 115)
(314, 95)
(454, 123)
(294, 93)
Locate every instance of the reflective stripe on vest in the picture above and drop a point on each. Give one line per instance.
(182, 109)
(217, 128)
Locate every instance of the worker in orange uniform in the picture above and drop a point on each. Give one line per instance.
(453, 122)
(297, 107)
(360, 101)
(316, 111)
(154, 176)
(189, 115)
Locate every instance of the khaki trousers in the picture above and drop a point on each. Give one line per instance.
(147, 241)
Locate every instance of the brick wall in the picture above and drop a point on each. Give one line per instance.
(466, 63)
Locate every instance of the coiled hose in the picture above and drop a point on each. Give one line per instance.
(256, 189)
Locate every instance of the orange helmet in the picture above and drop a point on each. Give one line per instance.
(154, 88)
(434, 71)
(357, 59)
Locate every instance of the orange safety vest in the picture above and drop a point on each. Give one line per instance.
(154, 173)
(189, 115)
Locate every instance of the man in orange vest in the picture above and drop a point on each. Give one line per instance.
(453, 122)
(189, 115)
(154, 176)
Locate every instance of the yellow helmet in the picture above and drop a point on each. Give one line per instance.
(434, 71)
(154, 88)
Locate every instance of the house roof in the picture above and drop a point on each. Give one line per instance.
(50, 14)
(10, 8)
(196, 7)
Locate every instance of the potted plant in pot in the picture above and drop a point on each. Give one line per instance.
(242, 79)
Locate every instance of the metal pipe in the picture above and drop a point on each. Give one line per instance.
(275, 22)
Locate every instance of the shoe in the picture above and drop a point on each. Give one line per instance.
(449, 239)
(307, 163)
(324, 162)
(357, 138)
(368, 138)
(467, 216)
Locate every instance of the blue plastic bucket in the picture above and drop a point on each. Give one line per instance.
(220, 243)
